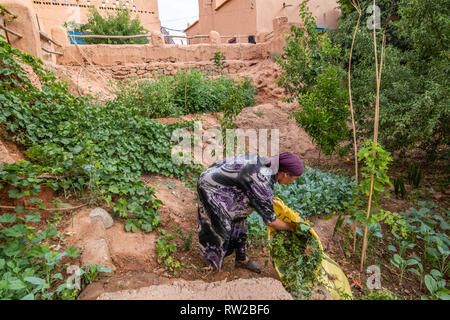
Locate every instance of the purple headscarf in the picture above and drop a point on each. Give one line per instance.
(289, 163)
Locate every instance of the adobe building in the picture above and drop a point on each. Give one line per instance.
(242, 18)
(51, 13)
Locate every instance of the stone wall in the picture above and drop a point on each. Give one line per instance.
(155, 69)
(110, 55)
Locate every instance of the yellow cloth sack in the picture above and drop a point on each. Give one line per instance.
(329, 273)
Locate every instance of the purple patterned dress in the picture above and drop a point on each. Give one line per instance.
(228, 192)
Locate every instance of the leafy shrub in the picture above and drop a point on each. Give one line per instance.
(312, 75)
(187, 92)
(118, 23)
(317, 192)
(414, 99)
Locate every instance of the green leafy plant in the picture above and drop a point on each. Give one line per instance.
(102, 151)
(399, 188)
(166, 248)
(298, 256)
(312, 76)
(219, 61)
(187, 92)
(231, 107)
(413, 112)
(400, 262)
(424, 231)
(371, 188)
(29, 267)
(317, 193)
(257, 230)
(414, 176)
(84, 276)
(186, 239)
(381, 294)
(118, 23)
(436, 286)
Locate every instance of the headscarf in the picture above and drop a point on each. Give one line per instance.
(288, 162)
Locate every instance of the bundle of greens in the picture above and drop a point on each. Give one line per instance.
(297, 256)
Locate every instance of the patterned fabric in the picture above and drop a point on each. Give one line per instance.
(228, 192)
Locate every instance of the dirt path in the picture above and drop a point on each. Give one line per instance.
(242, 289)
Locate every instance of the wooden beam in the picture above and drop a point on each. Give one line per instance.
(11, 31)
(110, 37)
(52, 52)
(45, 36)
(9, 12)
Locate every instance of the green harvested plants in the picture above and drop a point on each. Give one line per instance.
(298, 257)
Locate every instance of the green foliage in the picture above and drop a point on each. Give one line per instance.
(83, 276)
(414, 99)
(187, 92)
(29, 267)
(186, 239)
(166, 248)
(436, 285)
(400, 262)
(382, 294)
(323, 113)
(231, 107)
(414, 176)
(102, 150)
(422, 247)
(376, 161)
(298, 256)
(317, 192)
(118, 23)
(311, 75)
(307, 54)
(257, 230)
(399, 188)
(219, 61)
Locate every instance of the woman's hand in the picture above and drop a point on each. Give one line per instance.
(281, 225)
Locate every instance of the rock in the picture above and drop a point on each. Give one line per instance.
(106, 217)
(95, 252)
(320, 293)
(214, 37)
(5, 157)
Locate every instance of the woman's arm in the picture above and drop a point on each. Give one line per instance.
(281, 225)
